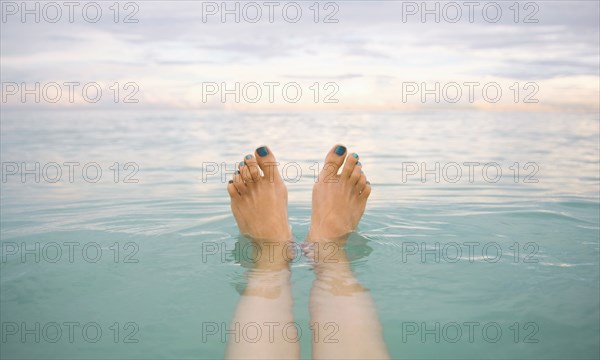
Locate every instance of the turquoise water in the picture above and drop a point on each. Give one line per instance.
(155, 278)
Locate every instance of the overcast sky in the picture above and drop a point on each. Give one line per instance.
(364, 55)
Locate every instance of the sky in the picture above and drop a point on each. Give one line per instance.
(303, 55)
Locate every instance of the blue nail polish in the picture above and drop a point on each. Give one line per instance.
(241, 163)
(262, 151)
(355, 155)
(368, 183)
(248, 157)
(340, 150)
(361, 172)
(358, 164)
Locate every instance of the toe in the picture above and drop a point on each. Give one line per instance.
(267, 163)
(239, 184)
(366, 191)
(355, 176)
(232, 190)
(333, 161)
(250, 171)
(351, 162)
(243, 171)
(362, 182)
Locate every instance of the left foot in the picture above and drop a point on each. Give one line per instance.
(259, 201)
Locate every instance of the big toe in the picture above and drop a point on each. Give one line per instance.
(267, 163)
(333, 161)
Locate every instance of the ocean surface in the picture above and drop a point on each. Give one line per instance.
(480, 239)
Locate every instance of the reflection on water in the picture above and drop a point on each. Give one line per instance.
(406, 251)
(343, 316)
(263, 317)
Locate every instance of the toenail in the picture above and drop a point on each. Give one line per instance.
(362, 172)
(231, 181)
(340, 150)
(262, 151)
(241, 163)
(248, 157)
(368, 183)
(355, 155)
(358, 164)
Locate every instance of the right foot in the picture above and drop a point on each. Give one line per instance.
(338, 201)
(259, 201)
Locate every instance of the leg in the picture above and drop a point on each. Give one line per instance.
(343, 316)
(259, 204)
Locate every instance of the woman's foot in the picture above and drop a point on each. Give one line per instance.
(259, 198)
(338, 201)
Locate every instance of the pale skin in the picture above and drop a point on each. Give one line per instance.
(343, 316)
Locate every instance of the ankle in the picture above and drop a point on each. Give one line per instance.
(273, 254)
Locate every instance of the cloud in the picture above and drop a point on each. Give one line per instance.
(369, 51)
